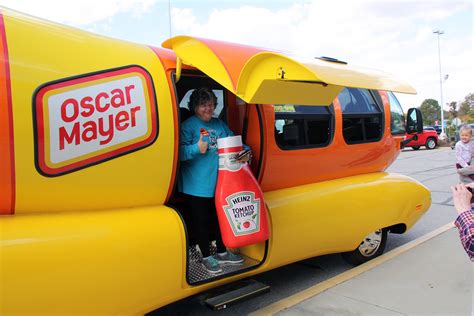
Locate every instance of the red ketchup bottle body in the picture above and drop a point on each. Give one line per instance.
(239, 200)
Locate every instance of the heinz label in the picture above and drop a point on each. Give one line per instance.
(93, 118)
(239, 200)
(243, 213)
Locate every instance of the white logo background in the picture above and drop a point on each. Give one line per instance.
(70, 151)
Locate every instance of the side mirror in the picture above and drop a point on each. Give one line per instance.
(414, 126)
(414, 121)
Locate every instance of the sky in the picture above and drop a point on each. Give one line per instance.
(394, 36)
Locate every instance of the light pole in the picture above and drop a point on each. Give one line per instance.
(439, 32)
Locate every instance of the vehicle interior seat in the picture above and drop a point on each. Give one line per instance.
(184, 114)
(291, 134)
(318, 132)
(373, 130)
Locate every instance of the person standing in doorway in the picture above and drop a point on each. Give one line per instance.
(198, 176)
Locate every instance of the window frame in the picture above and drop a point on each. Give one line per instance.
(390, 95)
(330, 117)
(374, 94)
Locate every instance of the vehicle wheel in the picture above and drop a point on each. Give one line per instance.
(430, 143)
(372, 246)
(416, 147)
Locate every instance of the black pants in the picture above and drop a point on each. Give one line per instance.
(204, 223)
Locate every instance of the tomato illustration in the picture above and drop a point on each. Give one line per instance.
(246, 224)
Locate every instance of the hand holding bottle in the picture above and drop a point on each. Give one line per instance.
(202, 144)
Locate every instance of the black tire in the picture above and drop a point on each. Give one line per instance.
(430, 143)
(416, 147)
(371, 247)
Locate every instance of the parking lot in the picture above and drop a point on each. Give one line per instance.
(434, 168)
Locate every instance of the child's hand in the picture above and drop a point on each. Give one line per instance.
(469, 185)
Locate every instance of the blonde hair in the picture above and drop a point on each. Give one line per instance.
(466, 128)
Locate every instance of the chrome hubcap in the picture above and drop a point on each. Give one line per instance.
(431, 144)
(371, 243)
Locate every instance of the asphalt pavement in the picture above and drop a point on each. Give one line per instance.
(435, 169)
(426, 272)
(430, 276)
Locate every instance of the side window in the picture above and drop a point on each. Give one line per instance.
(220, 101)
(362, 117)
(397, 119)
(302, 126)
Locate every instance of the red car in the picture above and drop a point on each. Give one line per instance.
(428, 138)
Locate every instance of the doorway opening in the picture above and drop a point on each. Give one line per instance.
(225, 110)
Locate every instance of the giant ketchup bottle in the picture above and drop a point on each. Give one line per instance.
(239, 200)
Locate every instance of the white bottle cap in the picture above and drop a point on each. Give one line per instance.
(228, 142)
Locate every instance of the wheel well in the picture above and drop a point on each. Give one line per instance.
(397, 229)
(432, 139)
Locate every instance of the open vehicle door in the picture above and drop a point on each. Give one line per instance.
(266, 77)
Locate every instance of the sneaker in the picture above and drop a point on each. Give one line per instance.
(211, 265)
(229, 257)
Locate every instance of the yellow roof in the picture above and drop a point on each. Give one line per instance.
(258, 75)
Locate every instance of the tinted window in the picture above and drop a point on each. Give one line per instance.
(397, 119)
(302, 126)
(357, 101)
(362, 116)
(300, 109)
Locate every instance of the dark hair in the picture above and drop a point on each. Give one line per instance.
(200, 96)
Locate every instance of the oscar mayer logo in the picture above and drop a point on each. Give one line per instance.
(86, 120)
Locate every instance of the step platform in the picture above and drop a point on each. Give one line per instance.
(197, 274)
(234, 293)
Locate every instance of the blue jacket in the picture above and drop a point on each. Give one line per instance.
(198, 172)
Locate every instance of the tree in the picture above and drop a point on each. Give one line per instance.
(453, 110)
(452, 119)
(469, 99)
(430, 110)
(466, 109)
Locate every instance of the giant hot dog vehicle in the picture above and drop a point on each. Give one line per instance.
(91, 222)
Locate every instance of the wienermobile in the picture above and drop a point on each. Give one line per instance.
(90, 219)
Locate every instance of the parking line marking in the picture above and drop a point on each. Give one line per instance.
(325, 285)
